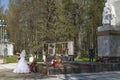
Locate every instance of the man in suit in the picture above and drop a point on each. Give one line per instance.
(91, 55)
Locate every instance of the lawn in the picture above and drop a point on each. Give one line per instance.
(10, 59)
(13, 59)
(82, 59)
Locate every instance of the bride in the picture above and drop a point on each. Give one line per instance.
(22, 66)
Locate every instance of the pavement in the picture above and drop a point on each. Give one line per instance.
(8, 66)
(7, 74)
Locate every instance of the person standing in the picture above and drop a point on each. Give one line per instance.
(91, 55)
(22, 66)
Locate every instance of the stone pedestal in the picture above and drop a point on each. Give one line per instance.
(108, 41)
(109, 33)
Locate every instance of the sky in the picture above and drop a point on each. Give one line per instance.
(4, 3)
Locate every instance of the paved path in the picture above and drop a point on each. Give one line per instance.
(88, 76)
(7, 66)
(7, 74)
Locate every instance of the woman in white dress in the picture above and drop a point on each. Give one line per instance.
(22, 66)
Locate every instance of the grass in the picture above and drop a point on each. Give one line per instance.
(13, 59)
(82, 59)
(10, 59)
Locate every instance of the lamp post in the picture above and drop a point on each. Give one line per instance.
(2, 40)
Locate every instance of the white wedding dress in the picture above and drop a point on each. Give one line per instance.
(22, 66)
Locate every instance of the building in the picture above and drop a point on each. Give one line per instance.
(6, 47)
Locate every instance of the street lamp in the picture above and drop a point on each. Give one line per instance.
(2, 36)
(3, 28)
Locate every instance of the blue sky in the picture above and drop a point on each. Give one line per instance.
(5, 4)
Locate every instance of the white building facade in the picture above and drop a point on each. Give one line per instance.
(6, 47)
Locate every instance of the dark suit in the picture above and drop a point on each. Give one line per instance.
(91, 55)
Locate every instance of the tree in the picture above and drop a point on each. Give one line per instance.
(31, 23)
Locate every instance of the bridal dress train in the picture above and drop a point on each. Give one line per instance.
(22, 66)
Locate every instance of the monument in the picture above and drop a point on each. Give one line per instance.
(109, 32)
